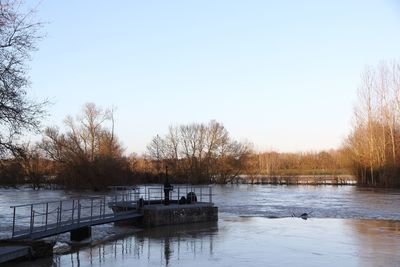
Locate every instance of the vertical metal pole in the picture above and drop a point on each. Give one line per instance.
(201, 194)
(101, 208)
(104, 207)
(127, 197)
(124, 197)
(31, 223)
(13, 229)
(58, 216)
(179, 197)
(73, 209)
(79, 211)
(91, 210)
(148, 196)
(60, 211)
(47, 214)
(210, 188)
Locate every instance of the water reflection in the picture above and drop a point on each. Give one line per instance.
(244, 241)
(174, 240)
(374, 238)
(155, 246)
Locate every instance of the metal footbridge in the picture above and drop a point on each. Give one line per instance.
(44, 219)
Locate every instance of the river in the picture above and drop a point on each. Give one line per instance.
(348, 226)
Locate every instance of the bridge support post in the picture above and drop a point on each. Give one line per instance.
(81, 233)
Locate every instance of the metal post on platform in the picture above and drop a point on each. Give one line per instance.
(79, 211)
(124, 201)
(58, 216)
(47, 215)
(73, 209)
(91, 210)
(13, 229)
(61, 211)
(148, 196)
(210, 192)
(201, 194)
(104, 206)
(31, 222)
(101, 208)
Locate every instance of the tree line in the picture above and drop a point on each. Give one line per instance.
(205, 153)
(330, 162)
(374, 142)
(86, 153)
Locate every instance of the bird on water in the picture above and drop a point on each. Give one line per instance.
(304, 215)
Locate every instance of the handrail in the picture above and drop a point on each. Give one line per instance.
(115, 192)
(54, 201)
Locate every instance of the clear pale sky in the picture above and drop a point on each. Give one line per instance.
(280, 74)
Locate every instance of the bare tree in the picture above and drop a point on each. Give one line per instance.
(19, 32)
(199, 153)
(88, 152)
(156, 152)
(374, 141)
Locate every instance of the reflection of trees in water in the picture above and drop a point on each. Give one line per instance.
(160, 244)
(378, 241)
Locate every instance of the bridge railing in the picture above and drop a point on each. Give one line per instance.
(43, 216)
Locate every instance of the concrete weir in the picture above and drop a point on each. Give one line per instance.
(158, 215)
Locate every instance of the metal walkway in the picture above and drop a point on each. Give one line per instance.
(67, 226)
(56, 217)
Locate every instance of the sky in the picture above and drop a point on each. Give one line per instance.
(280, 74)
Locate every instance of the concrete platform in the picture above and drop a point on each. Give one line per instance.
(9, 253)
(178, 206)
(158, 215)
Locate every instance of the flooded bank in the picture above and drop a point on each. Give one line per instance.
(250, 241)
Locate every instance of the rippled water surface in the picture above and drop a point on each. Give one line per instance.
(348, 227)
(320, 201)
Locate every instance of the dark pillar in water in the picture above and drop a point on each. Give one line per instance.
(81, 233)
